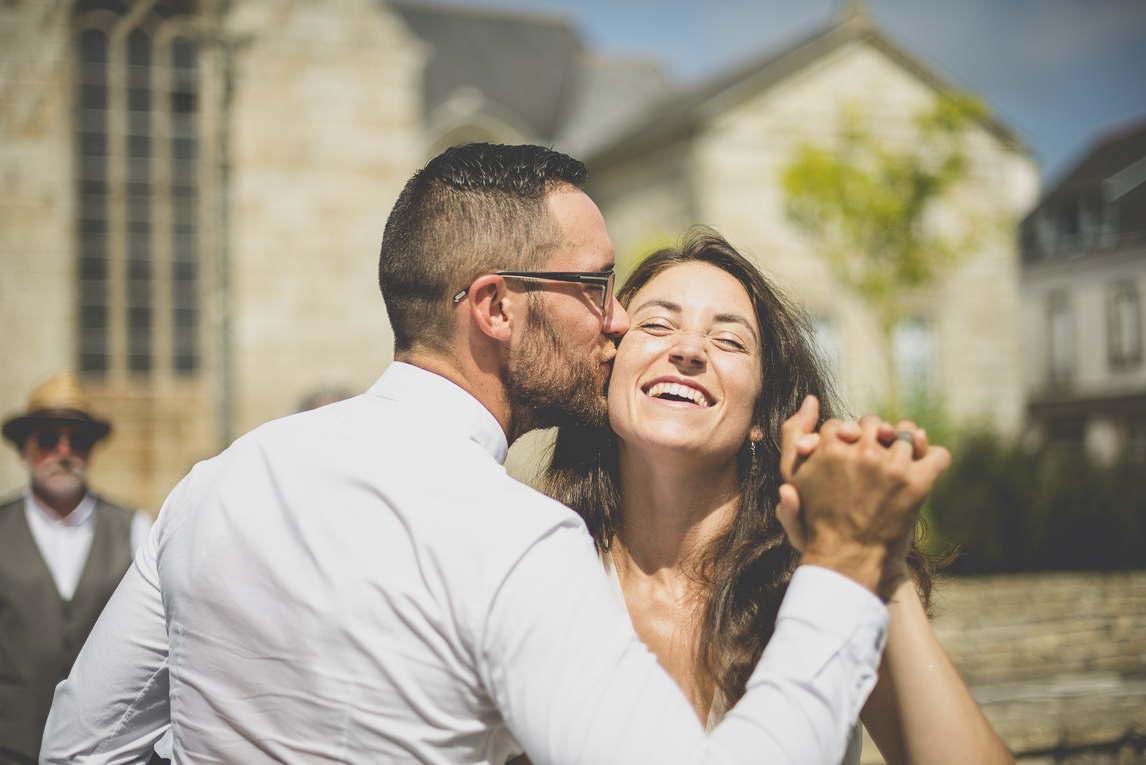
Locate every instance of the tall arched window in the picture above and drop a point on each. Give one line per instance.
(92, 123)
(184, 208)
(137, 142)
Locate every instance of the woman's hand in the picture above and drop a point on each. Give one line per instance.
(869, 487)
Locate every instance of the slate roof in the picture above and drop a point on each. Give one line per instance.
(1107, 188)
(532, 71)
(524, 63)
(1114, 153)
(610, 97)
(680, 116)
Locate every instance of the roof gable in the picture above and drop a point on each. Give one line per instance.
(681, 115)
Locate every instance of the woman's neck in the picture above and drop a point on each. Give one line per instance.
(672, 508)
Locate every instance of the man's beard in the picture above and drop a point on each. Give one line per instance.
(63, 482)
(545, 387)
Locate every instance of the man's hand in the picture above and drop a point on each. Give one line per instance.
(860, 489)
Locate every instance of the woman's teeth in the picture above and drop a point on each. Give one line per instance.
(677, 391)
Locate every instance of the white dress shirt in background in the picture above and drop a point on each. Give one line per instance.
(365, 583)
(64, 543)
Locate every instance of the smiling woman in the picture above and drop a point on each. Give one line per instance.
(690, 374)
(680, 495)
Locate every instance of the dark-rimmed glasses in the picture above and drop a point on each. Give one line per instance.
(602, 280)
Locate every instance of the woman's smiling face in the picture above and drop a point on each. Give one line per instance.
(688, 373)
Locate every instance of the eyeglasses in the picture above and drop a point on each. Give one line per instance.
(79, 441)
(602, 280)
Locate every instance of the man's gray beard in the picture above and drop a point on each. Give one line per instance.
(75, 483)
(544, 387)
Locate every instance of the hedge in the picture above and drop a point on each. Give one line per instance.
(1007, 509)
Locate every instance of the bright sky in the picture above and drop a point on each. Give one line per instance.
(1057, 71)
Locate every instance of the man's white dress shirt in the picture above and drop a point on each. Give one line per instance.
(64, 543)
(365, 583)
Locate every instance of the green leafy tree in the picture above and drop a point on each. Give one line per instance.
(866, 203)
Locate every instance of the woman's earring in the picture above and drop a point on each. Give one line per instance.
(752, 448)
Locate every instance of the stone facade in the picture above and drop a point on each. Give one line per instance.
(37, 294)
(309, 123)
(325, 131)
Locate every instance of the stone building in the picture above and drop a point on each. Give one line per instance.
(715, 156)
(192, 194)
(191, 201)
(1084, 274)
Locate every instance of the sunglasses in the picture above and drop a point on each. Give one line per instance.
(602, 280)
(79, 441)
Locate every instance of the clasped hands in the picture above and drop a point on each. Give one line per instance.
(853, 493)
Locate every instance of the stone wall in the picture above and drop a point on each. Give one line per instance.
(37, 284)
(309, 124)
(1057, 661)
(325, 131)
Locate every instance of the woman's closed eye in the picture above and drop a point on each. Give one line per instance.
(656, 326)
(730, 342)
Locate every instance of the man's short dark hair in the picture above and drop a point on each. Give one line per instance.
(471, 210)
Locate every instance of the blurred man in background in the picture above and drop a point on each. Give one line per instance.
(63, 551)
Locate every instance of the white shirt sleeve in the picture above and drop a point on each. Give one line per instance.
(123, 695)
(576, 686)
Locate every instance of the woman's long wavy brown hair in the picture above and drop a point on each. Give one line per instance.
(747, 567)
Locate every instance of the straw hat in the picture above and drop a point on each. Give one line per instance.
(58, 399)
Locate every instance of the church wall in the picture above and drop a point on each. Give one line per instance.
(323, 131)
(161, 424)
(974, 309)
(37, 287)
(298, 170)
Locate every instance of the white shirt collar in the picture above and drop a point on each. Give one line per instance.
(82, 513)
(444, 403)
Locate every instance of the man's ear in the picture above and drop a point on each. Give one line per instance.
(493, 307)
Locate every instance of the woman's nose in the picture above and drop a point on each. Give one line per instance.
(688, 351)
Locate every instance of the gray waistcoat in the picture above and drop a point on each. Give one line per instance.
(41, 634)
